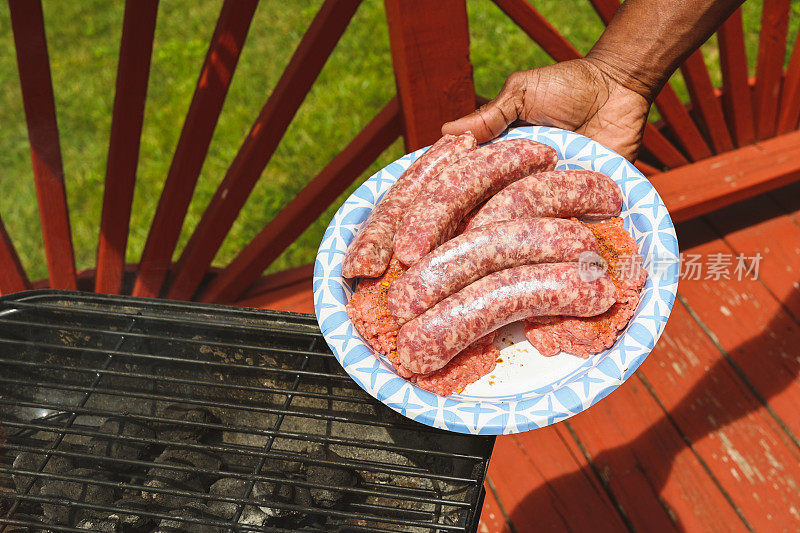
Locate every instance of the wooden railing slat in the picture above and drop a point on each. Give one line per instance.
(305, 65)
(133, 71)
(659, 146)
(306, 207)
(644, 168)
(27, 22)
(198, 128)
(538, 29)
(12, 275)
(726, 178)
(790, 99)
(678, 119)
(771, 52)
(736, 92)
(704, 100)
(432, 69)
(605, 9)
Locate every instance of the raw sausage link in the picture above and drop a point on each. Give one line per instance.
(560, 193)
(443, 202)
(428, 342)
(474, 254)
(369, 253)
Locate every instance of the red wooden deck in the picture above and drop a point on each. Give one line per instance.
(704, 436)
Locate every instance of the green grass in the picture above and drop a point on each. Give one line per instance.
(83, 39)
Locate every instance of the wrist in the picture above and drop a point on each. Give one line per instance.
(626, 73)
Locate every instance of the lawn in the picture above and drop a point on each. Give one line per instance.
(83, 39)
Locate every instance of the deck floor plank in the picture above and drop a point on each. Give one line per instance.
(728, 428)
(492, 518)
(545, 484)
(760, 225)
(752, 326)
(657, 480)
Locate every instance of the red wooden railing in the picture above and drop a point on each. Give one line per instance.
(700, 155)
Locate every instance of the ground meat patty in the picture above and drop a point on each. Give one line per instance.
(465, 368)
(368, 309)
(585, 336)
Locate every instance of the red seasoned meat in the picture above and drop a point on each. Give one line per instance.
(369, 311)
(585, 336)
(467, 367)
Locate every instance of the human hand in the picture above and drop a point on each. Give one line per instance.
(582, 95)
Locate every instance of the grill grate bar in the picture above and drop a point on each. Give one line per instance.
(372, 466)
(227, 473)
(253, 431)
(199, 362)
(203, 403)
(267, 433)
(166, 338)
(241, 501)
(143, 317)
(268, 446)
(196, 382)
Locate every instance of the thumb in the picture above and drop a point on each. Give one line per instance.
(492, 118)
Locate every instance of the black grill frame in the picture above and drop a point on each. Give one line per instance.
(130, 329)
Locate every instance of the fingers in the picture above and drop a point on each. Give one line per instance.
(492, 118)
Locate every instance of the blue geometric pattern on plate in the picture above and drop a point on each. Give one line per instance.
(644, 215)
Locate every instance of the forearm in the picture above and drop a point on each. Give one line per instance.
(648, 39)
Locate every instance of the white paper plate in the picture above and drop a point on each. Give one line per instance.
(525, 391)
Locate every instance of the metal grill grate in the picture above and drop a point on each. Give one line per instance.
(124, 414)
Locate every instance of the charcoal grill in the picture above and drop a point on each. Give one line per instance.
(129, 414)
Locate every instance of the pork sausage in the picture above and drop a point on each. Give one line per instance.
(428, 342)
(369, 253)
(583, 194)
(476, 253)
(443, 202)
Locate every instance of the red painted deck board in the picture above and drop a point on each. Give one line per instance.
(736, 94)
(432, 68)
(790, 99)
(718, 181)
(659, 483)
(681, 123)
(704, 99)
(728, 428)
(769, 70)
(492, 518)
(545, 484)
(754, 328)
